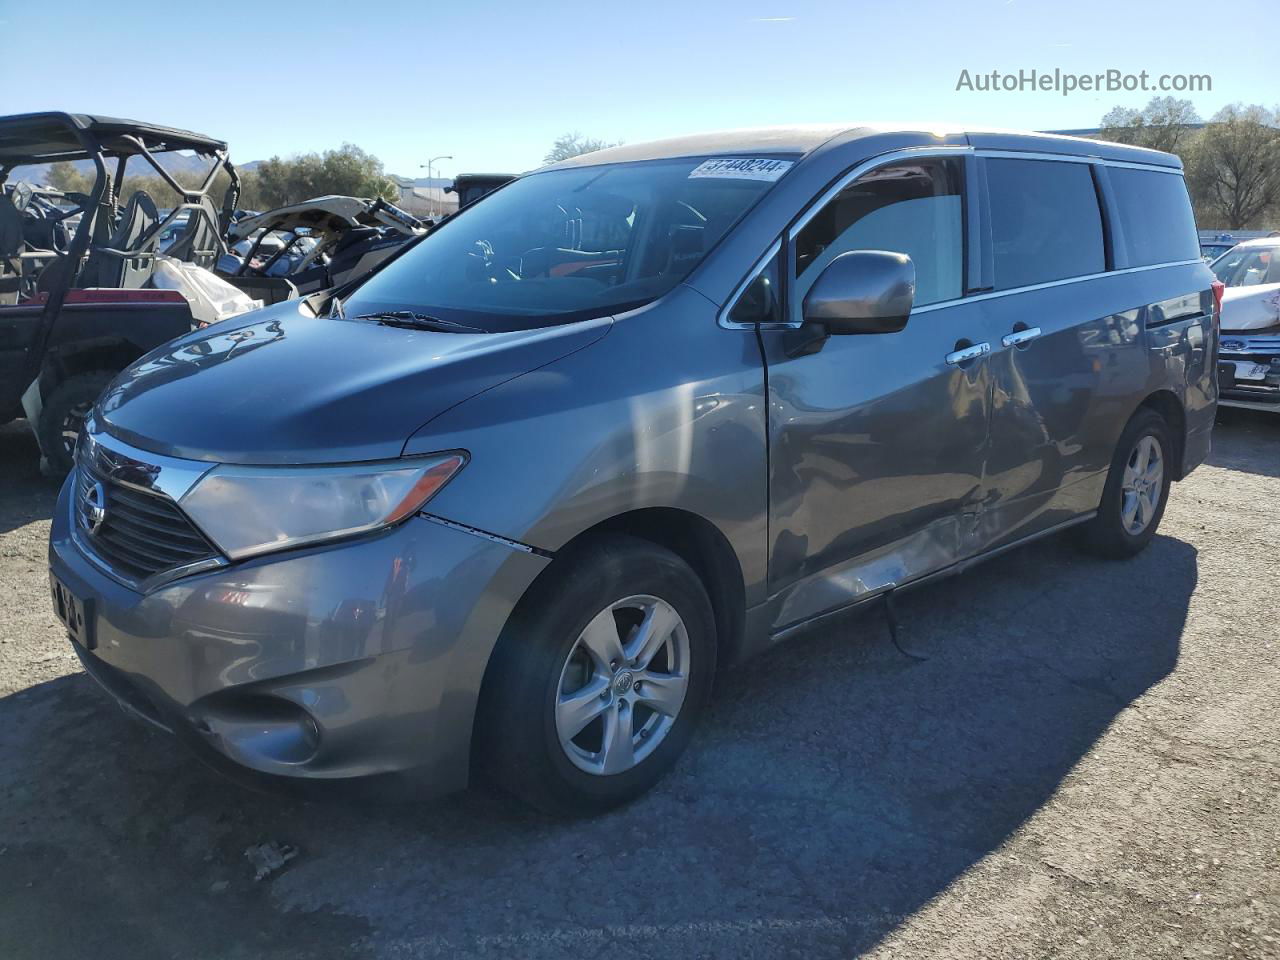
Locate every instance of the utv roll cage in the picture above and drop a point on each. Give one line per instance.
(75, 267)
(40, 138)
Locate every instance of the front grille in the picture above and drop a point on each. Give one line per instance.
(1244, 343)
(143, 533)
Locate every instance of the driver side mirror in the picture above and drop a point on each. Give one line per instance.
(862, 291)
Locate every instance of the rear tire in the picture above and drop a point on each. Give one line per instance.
(64, 413)
(1136, 491)
(623, 634)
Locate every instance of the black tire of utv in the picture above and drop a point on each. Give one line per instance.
(66, 395)
(1105, 535)
(517, 745)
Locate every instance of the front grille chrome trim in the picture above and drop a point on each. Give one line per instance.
(137, 551)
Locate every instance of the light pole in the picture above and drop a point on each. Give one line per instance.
(428, 165)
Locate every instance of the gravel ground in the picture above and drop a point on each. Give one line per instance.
(1085, 766)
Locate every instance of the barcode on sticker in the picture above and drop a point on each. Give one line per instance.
(741, 168)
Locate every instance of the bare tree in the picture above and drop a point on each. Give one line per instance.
(1234, 168)
(573, 145)
(1166, 123)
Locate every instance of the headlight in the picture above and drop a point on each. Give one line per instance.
(252, 510)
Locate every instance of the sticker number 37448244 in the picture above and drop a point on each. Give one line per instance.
(741, 168)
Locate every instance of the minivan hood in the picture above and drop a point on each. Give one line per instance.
(282, 387)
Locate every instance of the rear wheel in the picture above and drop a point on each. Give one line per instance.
(64, 414)
(599, 680)
(1136, 491)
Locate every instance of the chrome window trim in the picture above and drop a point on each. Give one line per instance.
(722, 318)
(1074, 158)
(996, 294)
(926, 152)
(910, 153)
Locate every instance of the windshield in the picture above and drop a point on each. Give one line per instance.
(570, 244)
(1248, 266)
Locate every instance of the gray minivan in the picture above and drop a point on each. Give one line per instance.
(509, 504)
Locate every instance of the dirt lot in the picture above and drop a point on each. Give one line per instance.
(1087, 765)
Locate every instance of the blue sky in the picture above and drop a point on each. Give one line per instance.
(493, 84)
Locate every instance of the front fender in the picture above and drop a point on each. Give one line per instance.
(667, 410)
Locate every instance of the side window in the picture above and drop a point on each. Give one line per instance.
(1248, 266)
(1046, 223)
(759, 301)
(913, 208)
(1155, 215)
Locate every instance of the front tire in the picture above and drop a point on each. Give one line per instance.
(1136, 491)
(64, 413)
(599, 679)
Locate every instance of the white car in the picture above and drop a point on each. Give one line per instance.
(1249, 346)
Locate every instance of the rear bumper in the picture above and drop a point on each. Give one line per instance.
(345, 662)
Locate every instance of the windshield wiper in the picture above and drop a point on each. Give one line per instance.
(416, 321)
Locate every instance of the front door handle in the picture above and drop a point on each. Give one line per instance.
(1020, 337)
(968, 353)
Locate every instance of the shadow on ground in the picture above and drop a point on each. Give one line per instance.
(835, 788)
(1247, 440)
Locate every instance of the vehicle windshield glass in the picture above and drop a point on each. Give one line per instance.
(570, 244)
(1248, 266)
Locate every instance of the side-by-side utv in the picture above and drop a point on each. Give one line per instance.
(76, 305)
(315, 245)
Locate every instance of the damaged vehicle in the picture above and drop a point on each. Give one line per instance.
(314, 245)
(505, 507)
(1249, 359)
(76, 301)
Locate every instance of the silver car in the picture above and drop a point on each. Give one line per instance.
(510, 504)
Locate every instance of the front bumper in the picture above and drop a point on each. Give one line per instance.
(1250, 352)
(350, 660)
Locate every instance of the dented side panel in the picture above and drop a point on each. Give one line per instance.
(877, 447)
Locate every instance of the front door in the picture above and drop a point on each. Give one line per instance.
(877, 442)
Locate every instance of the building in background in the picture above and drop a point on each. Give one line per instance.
(426, 197)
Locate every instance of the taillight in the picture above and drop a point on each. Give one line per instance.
(1219, 288)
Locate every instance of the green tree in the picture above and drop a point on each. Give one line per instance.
(1233, 169)
(1166, 123)
(346, 171)
(65, 177)
(574, 145)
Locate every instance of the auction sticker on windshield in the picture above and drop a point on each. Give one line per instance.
(741, 168)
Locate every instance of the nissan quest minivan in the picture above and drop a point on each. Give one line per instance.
(508, 505)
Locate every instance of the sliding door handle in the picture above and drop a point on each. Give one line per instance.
(1020, 337)
(965, 354)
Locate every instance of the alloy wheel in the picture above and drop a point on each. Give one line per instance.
(622, 685)
(1142, 485)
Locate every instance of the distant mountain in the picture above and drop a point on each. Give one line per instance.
(185, 168)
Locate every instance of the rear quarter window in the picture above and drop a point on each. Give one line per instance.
(1046, 223)
(1155, 216)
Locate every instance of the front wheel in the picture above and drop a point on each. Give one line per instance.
(1136, 491)
(599, 679)
(64, 414)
